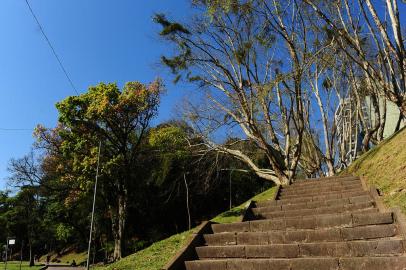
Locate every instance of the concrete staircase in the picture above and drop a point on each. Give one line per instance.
(330, 223)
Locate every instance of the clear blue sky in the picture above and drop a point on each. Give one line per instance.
(98, 40)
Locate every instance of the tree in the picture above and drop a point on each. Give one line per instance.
(120, 120)
(229, 51)
(385, 71)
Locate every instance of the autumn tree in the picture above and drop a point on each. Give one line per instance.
(119, 119)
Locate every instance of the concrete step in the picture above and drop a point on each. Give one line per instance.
(302, 236)
(321, 209)
(308, 222)
(314, 203)
(316, 191)
(325, 196)
(316, 186)
(322, 197)
(277, 206)
(345, 263)
(262, 213)
(326, 180)
(303, 250)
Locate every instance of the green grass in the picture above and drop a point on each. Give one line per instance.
(16, 266)
(234, 214)
(385, 168)
(158, 254)
(154, 257)
(67, 258)
(78, 257)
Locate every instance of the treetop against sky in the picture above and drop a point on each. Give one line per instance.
(109, 41)
(97, 41)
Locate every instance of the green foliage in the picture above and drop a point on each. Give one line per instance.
(227, 6)
(167, 137)
(105, 113)
(169, 27)
(63, 232)
(171, 141)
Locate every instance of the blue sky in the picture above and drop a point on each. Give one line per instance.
(98, 40)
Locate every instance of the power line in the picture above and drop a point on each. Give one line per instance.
(51, 46)
(57, 58)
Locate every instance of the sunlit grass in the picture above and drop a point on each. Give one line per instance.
(16, 266)
(385, 167)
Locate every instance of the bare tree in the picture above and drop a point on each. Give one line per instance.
(249, 60)
(385, 69)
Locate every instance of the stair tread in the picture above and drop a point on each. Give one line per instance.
(302, 235)
(321, 192)
(350, 199)
(322, 197)
(313, 212)
(343, 263)
(347, 206)
(316, 204)
(301, 250)
(322, 186)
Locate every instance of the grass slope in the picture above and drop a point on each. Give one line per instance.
(16, 266)
(158, 254)
(234, 214)
(385, 168)
(66, 257)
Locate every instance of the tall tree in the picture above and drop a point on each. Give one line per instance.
(249, 58)
(119, 119)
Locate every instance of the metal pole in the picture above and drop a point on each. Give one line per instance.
(93, 207)
(5, 262)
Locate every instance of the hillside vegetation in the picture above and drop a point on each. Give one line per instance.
(385, 167)
(158, 254)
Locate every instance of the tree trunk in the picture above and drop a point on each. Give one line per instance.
(383, 121)
(397, 128)
(402, 109)
(330, 166)
(187, 202)
(32, 263)
(118, 222)
(285, 181)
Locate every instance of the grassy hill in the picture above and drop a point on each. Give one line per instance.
(158, 254)
(385, 167)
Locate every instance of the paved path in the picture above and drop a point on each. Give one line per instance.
(64, 268)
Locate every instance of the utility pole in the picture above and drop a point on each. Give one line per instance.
(93, 207)
(5, 262)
